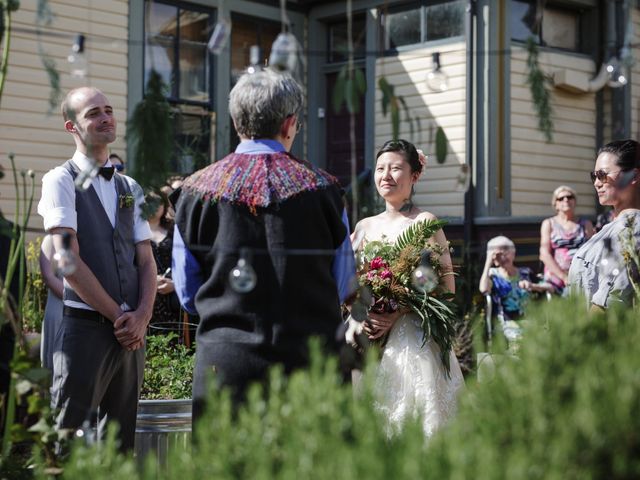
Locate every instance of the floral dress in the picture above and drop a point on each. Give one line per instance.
(507, 295)
(564, 245)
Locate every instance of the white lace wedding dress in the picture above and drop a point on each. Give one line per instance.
(411, 380)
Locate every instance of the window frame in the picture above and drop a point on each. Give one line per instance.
(420, 5)
(174, 98)
(585, 14)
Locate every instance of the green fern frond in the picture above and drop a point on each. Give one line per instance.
(418, 234)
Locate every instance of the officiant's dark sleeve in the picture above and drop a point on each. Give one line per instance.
(195, 228)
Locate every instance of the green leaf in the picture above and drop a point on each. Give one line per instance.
(387, 94)
(338, 92)
(441, 145)
(395, 118)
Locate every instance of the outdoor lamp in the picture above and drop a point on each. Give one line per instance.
(437, 80)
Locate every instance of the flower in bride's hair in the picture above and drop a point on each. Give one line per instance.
(422, 158)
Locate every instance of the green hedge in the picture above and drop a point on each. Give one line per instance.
(567, 408)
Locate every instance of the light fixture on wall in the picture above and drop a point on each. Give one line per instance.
(77, 59)
(437, 80)
(617, 73)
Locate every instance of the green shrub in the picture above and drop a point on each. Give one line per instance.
(35, 295)
(567, 408)
(168, 372)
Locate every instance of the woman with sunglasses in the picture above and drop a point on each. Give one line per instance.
(599, 269)
(561, 236)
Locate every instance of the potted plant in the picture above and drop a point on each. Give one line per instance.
(164, 411)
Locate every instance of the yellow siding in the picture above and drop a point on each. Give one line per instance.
(407, 72)
(26, 127)
(538, 167)
(635, 77)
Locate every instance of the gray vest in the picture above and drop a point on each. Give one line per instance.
(108, 252)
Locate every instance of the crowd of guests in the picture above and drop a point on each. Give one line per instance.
(572, 250)
(260, 203)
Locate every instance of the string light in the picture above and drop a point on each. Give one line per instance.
(220, 36)
(64, 261)
(437, 80)
(77, 58)
(86, 176)
(423, 278)
(609, 262)
(463, 178)
(616, 71)
(242, 277)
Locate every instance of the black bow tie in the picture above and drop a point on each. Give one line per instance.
(107, 172)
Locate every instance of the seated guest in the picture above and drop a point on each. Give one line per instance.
(561, 236)
(509, 286)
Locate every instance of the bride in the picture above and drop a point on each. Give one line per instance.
(411, 379)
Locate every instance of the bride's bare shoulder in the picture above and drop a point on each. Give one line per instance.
(425, 216)
(368, 222)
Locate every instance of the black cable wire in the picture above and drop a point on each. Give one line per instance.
(307, 52)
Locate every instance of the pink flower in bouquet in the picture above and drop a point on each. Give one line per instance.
(371, 274)
(377, 263)
(386, 274)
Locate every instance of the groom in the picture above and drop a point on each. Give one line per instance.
(261, 246)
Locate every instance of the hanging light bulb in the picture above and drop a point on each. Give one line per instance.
(77, 59)
(284, 52)
(437, 80)
(220, 36)
(86, 176)
(242, 277)
(463, 180)
(64, 261)
(609, 263)
(87, 432)
(617, 73)
(255, 54)
(423, 278)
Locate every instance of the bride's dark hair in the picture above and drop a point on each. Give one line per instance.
(404, 148)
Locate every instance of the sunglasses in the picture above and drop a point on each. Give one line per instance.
(600, 175)
(119, 167)
(566, 197)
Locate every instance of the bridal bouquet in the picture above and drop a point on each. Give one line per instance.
(404, 276)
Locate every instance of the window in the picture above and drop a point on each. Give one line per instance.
(558, 27)
(421, 22)
(338, 40)
(176, 47)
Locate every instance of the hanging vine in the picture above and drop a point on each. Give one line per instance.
(537, 81)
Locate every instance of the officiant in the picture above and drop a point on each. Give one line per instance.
(261, 247)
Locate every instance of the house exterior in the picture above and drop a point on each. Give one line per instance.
(486, 112)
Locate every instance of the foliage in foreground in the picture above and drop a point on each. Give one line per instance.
(567, 408)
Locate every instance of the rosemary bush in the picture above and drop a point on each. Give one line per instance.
(567, 408)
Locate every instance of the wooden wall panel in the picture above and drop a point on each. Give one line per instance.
(407, 72)
(27, 127)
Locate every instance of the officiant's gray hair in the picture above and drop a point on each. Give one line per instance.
(261, 101)
(500, 242)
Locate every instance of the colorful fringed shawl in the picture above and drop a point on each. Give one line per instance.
(257, 180)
